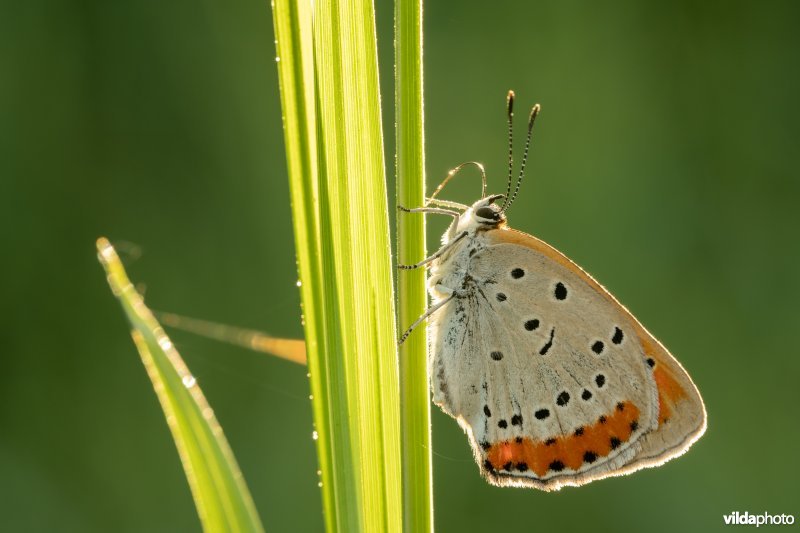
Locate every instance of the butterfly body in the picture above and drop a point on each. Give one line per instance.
(553, 380)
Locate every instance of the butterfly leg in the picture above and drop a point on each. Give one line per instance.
(435, 256)
(446, 203)
(425, 315)
(429, 210)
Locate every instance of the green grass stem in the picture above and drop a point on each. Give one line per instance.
(410, 168)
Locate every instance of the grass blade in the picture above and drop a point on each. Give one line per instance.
(220, 493)
(355, 221)
(330, 99)
(295, 61)
(293, 350)
(410, 167)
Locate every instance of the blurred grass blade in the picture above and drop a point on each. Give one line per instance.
(220, 494)
(410, 166)
(334, 145)
(293, 350)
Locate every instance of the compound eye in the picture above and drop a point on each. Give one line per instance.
(487, 212)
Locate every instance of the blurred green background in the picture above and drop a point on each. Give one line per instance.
(665, 163)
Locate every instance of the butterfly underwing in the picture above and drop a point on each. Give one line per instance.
(553, 380)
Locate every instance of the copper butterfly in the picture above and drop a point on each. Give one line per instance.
(554, 381)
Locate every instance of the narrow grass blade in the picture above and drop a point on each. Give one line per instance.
(410, 167)
(220, 493)
(293, 350)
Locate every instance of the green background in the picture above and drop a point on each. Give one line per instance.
(664, 163)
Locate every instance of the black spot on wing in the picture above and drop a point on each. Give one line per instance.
(617, 338)
(563, 398)
(549, 343)
(560, 291)
(532, 324)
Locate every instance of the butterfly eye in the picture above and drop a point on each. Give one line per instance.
(487, 213)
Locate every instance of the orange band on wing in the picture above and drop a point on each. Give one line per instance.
(669, 392)
(585, 445)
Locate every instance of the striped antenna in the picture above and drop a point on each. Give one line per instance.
(510, 110)
(531, 119)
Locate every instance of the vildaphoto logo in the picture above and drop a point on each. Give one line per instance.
(746, 519)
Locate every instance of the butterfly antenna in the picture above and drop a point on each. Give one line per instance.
(531, 119)
(510, 109)
(451, 175)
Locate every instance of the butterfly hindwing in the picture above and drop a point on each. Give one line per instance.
(681, 412)
(554, 381)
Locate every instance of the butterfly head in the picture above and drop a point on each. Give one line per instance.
(486, 214)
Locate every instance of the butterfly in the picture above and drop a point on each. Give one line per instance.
(553, 380)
